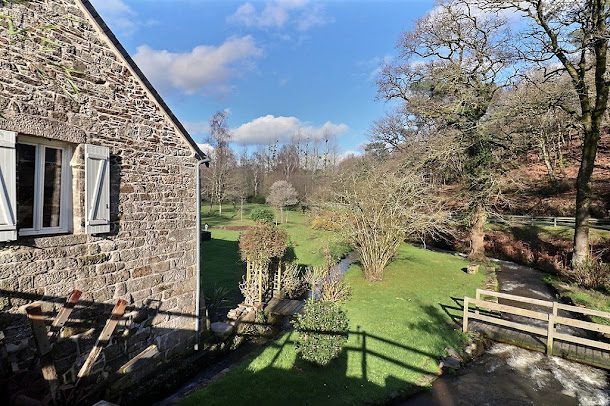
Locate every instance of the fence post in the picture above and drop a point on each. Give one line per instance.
(465, 318)
(478, 296)
(550, 333)
(555, 222)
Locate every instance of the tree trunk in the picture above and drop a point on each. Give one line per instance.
(220, 208)
(241, 210)
(477, 233)
(592, 124)
(583, 197)
(547, 161)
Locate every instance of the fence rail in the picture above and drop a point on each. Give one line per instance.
(495, 311)
(602, 224)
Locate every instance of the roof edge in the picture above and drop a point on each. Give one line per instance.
(103, 29)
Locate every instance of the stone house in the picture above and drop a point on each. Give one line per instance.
(99, 183)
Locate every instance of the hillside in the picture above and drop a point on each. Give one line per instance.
(531, 192)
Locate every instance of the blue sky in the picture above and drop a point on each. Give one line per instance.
(280, 67)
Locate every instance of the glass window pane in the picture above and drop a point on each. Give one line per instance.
(26, 168)
(52, 187)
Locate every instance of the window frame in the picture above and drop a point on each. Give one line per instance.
(65, 207)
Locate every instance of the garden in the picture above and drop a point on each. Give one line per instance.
(397, 329)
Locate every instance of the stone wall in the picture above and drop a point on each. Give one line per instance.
(149, 258)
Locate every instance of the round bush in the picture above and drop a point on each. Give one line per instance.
(263, 214)
(322, 329)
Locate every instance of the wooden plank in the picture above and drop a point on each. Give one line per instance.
(117, 313)
(64, 313)
(515, 298)
(583, 341)
(511, 324)
(510, 309)
(41, 338)
(585, 325)
(549, 335)
(582, 310)
(150, 352)
(465, 317)
(36, 317)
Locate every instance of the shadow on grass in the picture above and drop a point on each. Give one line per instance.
(275, 375)
(222, 271)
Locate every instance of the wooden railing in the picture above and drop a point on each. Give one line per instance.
(550, 316)
(602, 224)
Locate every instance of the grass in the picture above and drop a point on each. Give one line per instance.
(222, 266)
(579, 296)
(398, 330)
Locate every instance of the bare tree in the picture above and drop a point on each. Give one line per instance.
(282, 194)
(451, 68)
(379, 209)
(288, 160)
(531, 116)
(571, 37)
(222, 162)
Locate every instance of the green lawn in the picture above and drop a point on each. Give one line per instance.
(221, 265)
(399, 329)
(579, 296)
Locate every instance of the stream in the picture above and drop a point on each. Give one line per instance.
(508, 375)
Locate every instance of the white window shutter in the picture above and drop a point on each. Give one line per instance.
(97, 189)
(8, 186)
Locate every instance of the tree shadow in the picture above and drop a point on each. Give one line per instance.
(222, 269)
(276, 375)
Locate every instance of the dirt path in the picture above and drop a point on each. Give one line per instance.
(507, 375)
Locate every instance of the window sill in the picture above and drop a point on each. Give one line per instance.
(50, 241)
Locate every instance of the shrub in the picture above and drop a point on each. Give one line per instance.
(322, 329)
(334, 288)
(591, 274)
(293, 282)
(263, 214)
(324, 223)
(217, 300)
(263, 242)
(258, 199)
(327, 284)
(315, 277)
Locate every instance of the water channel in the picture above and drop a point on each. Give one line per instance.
(508, 375)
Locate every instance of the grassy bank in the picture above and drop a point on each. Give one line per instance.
(398, 330)
(579, 296)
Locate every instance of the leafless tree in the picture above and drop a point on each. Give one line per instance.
(379, 208)
(452, 66)
(282, 194)
(530, 115)
(223, 160)
(571, 37)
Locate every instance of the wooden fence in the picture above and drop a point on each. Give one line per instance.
(548, 314)
(602, 224)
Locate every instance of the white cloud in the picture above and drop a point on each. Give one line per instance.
(277, 14)
(348, 154)
(205, 68)
(118, 15)
(206, 149)
(269, 128)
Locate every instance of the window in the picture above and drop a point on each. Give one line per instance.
(44, 201)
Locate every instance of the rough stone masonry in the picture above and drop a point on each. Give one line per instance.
(60, 79)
